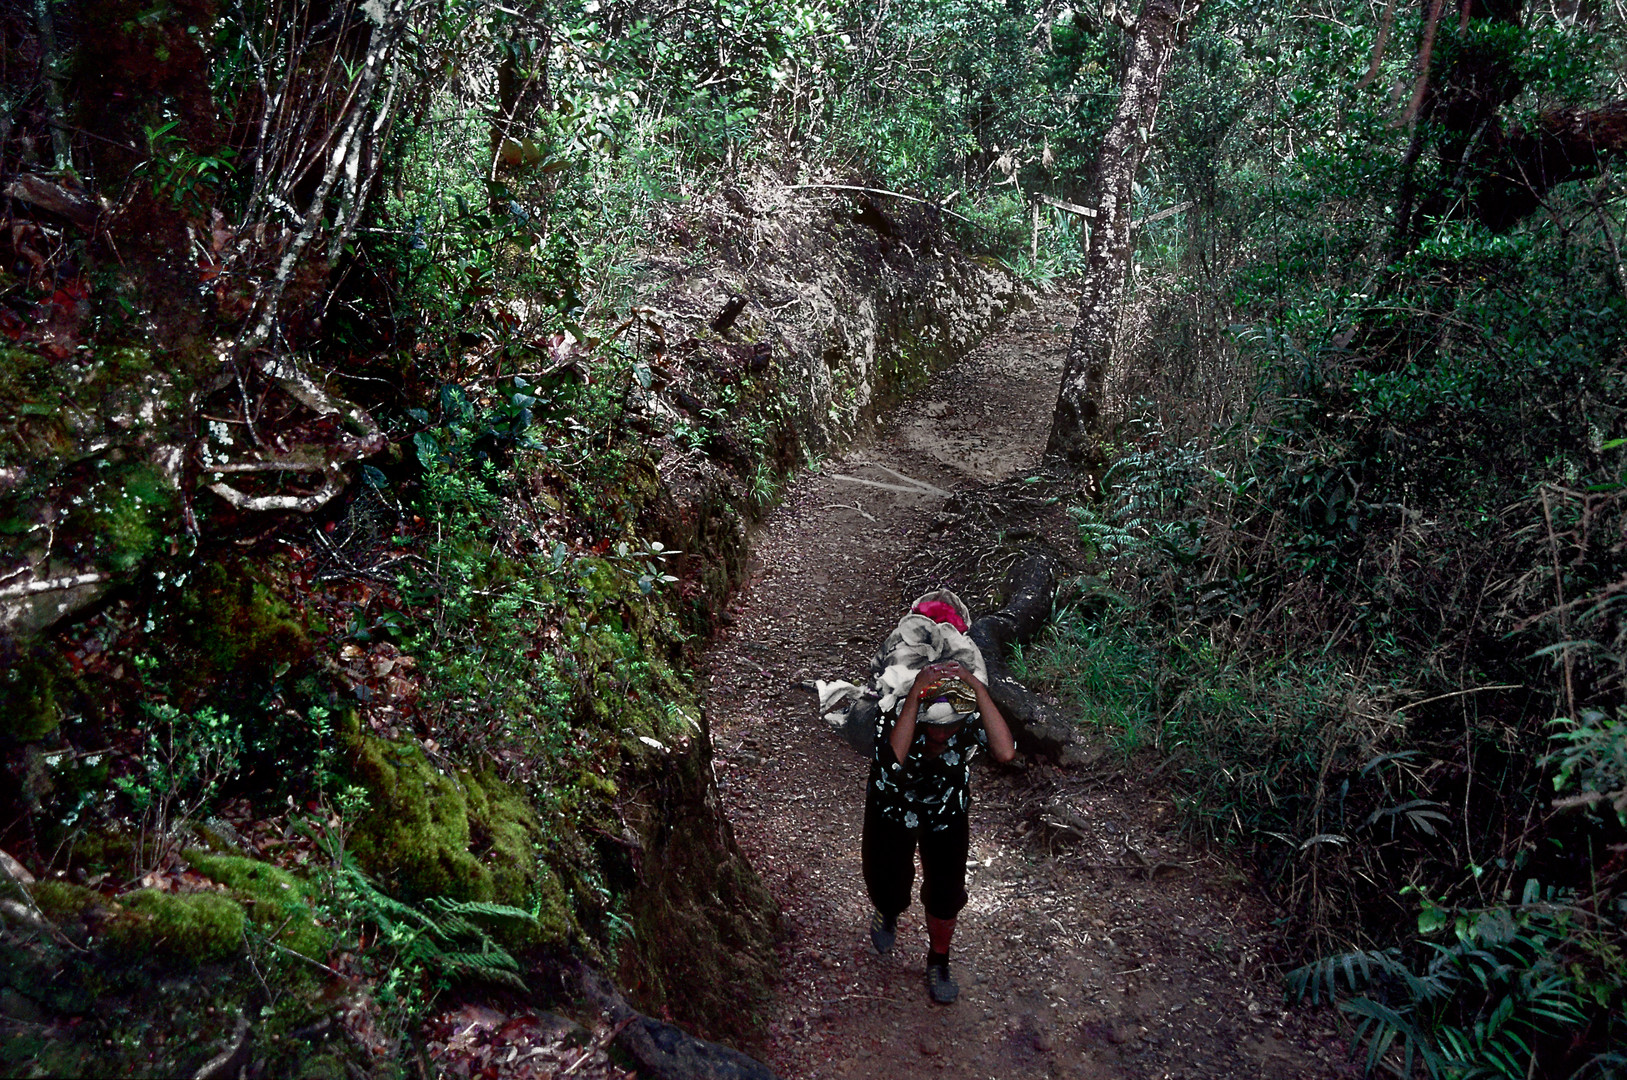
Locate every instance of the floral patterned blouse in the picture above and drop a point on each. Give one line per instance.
(921, 791)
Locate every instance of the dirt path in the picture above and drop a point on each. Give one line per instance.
(1073, 962)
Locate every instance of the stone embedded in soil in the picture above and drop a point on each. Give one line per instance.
(1126, 1033)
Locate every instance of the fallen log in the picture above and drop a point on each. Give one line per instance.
(1030, 590)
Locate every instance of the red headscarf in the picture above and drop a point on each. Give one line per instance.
(938, 611)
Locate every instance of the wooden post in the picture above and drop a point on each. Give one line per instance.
(1033, 252)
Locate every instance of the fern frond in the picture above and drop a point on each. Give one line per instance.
(495, 966)
(480, 907)
(442, 935)
(1379, 1026)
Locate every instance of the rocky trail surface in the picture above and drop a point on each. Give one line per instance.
(1110, 950)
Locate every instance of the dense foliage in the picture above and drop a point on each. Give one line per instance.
(1360, 549)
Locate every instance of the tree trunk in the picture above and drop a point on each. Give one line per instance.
(1075, 435)
(50, 79)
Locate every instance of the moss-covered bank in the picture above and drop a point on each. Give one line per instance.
(498, 727)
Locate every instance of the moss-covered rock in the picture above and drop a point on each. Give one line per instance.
(504, 829)
(193, 928)
(277, 901)
(466, 836)
(415, 834)
(28, 701)
(233, 617)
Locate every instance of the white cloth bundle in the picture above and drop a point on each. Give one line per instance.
(916, 642)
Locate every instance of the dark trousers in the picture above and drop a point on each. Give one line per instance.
(889, 864)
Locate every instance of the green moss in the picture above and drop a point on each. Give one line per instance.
(133, 509)
(512, 831)
(247, 875)
(415, 836)
(62, 901)
(194, 928)
(277, 901)
(26, 381)
(468, 836)
(593, 783)
(505, 827)
(127, 360)
(28, 701)
(233, 617)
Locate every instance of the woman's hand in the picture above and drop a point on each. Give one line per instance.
(1001, 745)
(929, 678)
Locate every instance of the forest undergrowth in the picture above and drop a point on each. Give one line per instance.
(1359, 548)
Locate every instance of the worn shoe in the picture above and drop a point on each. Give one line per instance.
(940, 985)
(883, 931)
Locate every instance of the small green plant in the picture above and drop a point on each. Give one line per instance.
(692, 437)
(188, 757)
(1592, 758)
(187, 178)
(640, 563)
(1481, 1006)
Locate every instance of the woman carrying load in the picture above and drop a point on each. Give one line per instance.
(918, 793)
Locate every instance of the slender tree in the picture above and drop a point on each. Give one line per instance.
(1154, 36)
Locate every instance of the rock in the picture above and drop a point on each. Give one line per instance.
(929, 1046)
(666, 1051)
(1124, 1033)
